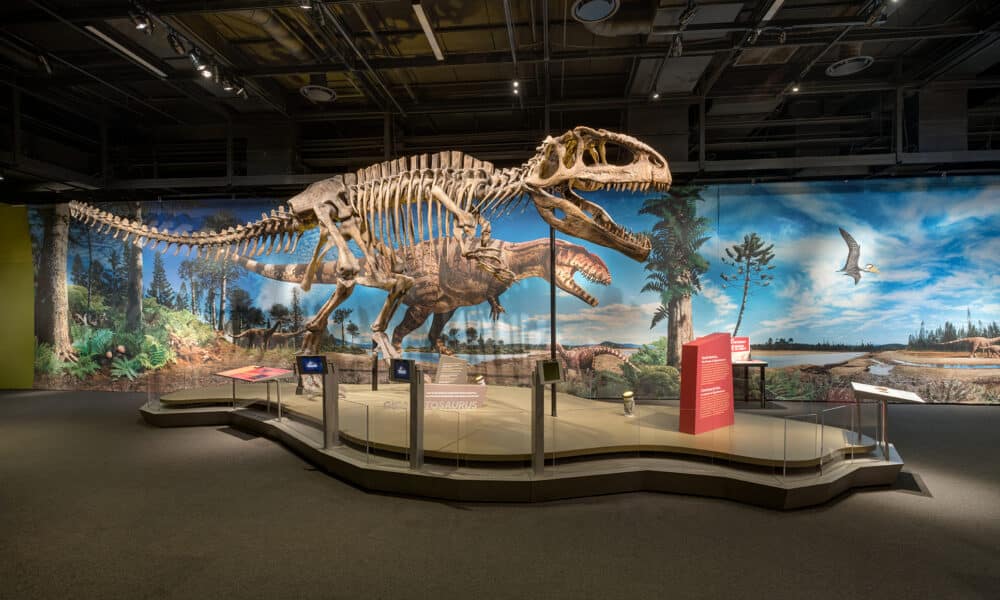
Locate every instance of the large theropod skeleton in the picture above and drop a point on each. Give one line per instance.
(401, 203)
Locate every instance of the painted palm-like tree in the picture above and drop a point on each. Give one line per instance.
(751, 263)
(674, 265)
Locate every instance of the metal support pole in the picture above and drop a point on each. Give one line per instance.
(15, 116)
(537, 424)
(331, 407)
(552, 306)
(900, 124)
(234, 393)
(375, 371)
(387, 136)
(885, 426)
(417, 419)
(701, 135)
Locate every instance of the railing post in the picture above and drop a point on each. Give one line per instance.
(417, 418)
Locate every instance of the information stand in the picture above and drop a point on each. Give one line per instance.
(546, 372)
(319, 365)
(863, 391)
(402, 370)
(706, 384)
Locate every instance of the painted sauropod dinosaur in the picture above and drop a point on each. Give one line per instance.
(259, 335)
(400, 203)
(445, 281)
(582, 359)
(283, 336)
(976, 342)
(992, 351)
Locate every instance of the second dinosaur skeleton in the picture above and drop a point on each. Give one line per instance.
(445, 281)
(400, 203)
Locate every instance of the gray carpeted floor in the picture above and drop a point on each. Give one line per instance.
(96, 504)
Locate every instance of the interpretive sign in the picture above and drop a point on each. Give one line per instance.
(706, 384)
(452, 370)
(446, 396)
(741, 348)
(254, 373)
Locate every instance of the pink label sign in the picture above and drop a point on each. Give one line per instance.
(706, 384)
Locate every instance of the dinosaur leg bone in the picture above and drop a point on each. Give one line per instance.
(397, 285)
(487, 257)
(317, 325)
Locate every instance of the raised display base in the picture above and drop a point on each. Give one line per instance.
(744, 462)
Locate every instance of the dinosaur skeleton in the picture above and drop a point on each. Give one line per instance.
(400, 203)
(445, 281)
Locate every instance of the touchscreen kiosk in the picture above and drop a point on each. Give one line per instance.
(549, 371)
(401, 370)
(311, 365)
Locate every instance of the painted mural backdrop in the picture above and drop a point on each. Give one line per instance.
(890, 281)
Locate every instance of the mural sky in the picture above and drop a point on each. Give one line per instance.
(935, 241)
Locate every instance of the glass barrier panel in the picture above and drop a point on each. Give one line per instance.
(441, 436)
(354, 426)
(800, 455)
(836, 437)
(597, 432)
(389, 424)
(494, 439)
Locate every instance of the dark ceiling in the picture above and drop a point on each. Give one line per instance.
(727, 90)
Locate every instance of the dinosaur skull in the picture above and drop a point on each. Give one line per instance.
(588, 159)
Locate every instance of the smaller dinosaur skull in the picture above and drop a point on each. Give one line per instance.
(588, 159)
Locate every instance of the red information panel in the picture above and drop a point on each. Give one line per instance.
(254, 373)
(706, 384)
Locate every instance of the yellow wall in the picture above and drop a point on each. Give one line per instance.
(17, 300)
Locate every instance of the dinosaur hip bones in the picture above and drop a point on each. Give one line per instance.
(397, 204)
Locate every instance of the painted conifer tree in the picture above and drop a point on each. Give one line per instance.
(160, 288)
(674, 265)
(751, 263)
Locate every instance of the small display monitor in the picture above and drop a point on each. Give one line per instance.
(550, 371)
(311, 365)
(401, 370)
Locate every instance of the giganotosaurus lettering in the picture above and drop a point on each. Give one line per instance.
(398, 204)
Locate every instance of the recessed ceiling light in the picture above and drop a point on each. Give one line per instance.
(516, 91)
(594, 11)
(140, 20)
(517, 83)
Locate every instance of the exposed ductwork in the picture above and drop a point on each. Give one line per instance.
(266, 20)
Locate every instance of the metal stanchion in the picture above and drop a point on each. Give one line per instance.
(416, 418)
(331, 406)
(537, 423)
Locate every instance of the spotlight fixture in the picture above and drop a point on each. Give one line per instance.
(241, 92)
(655, 96)
(516, 91)
(782, 37)
(140, 20)
(199, 65)
(594, 11)
(176, 44)
(795, 88)
(227, 85)
(1, 176)
(306, 4)
(753, 37)
(206, 72)
(676, 47)
(688, 15)
(517, 83)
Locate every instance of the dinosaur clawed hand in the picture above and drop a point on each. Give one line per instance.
(489, 260)
(496, 309)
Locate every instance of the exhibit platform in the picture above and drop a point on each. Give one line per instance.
(591, 447)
